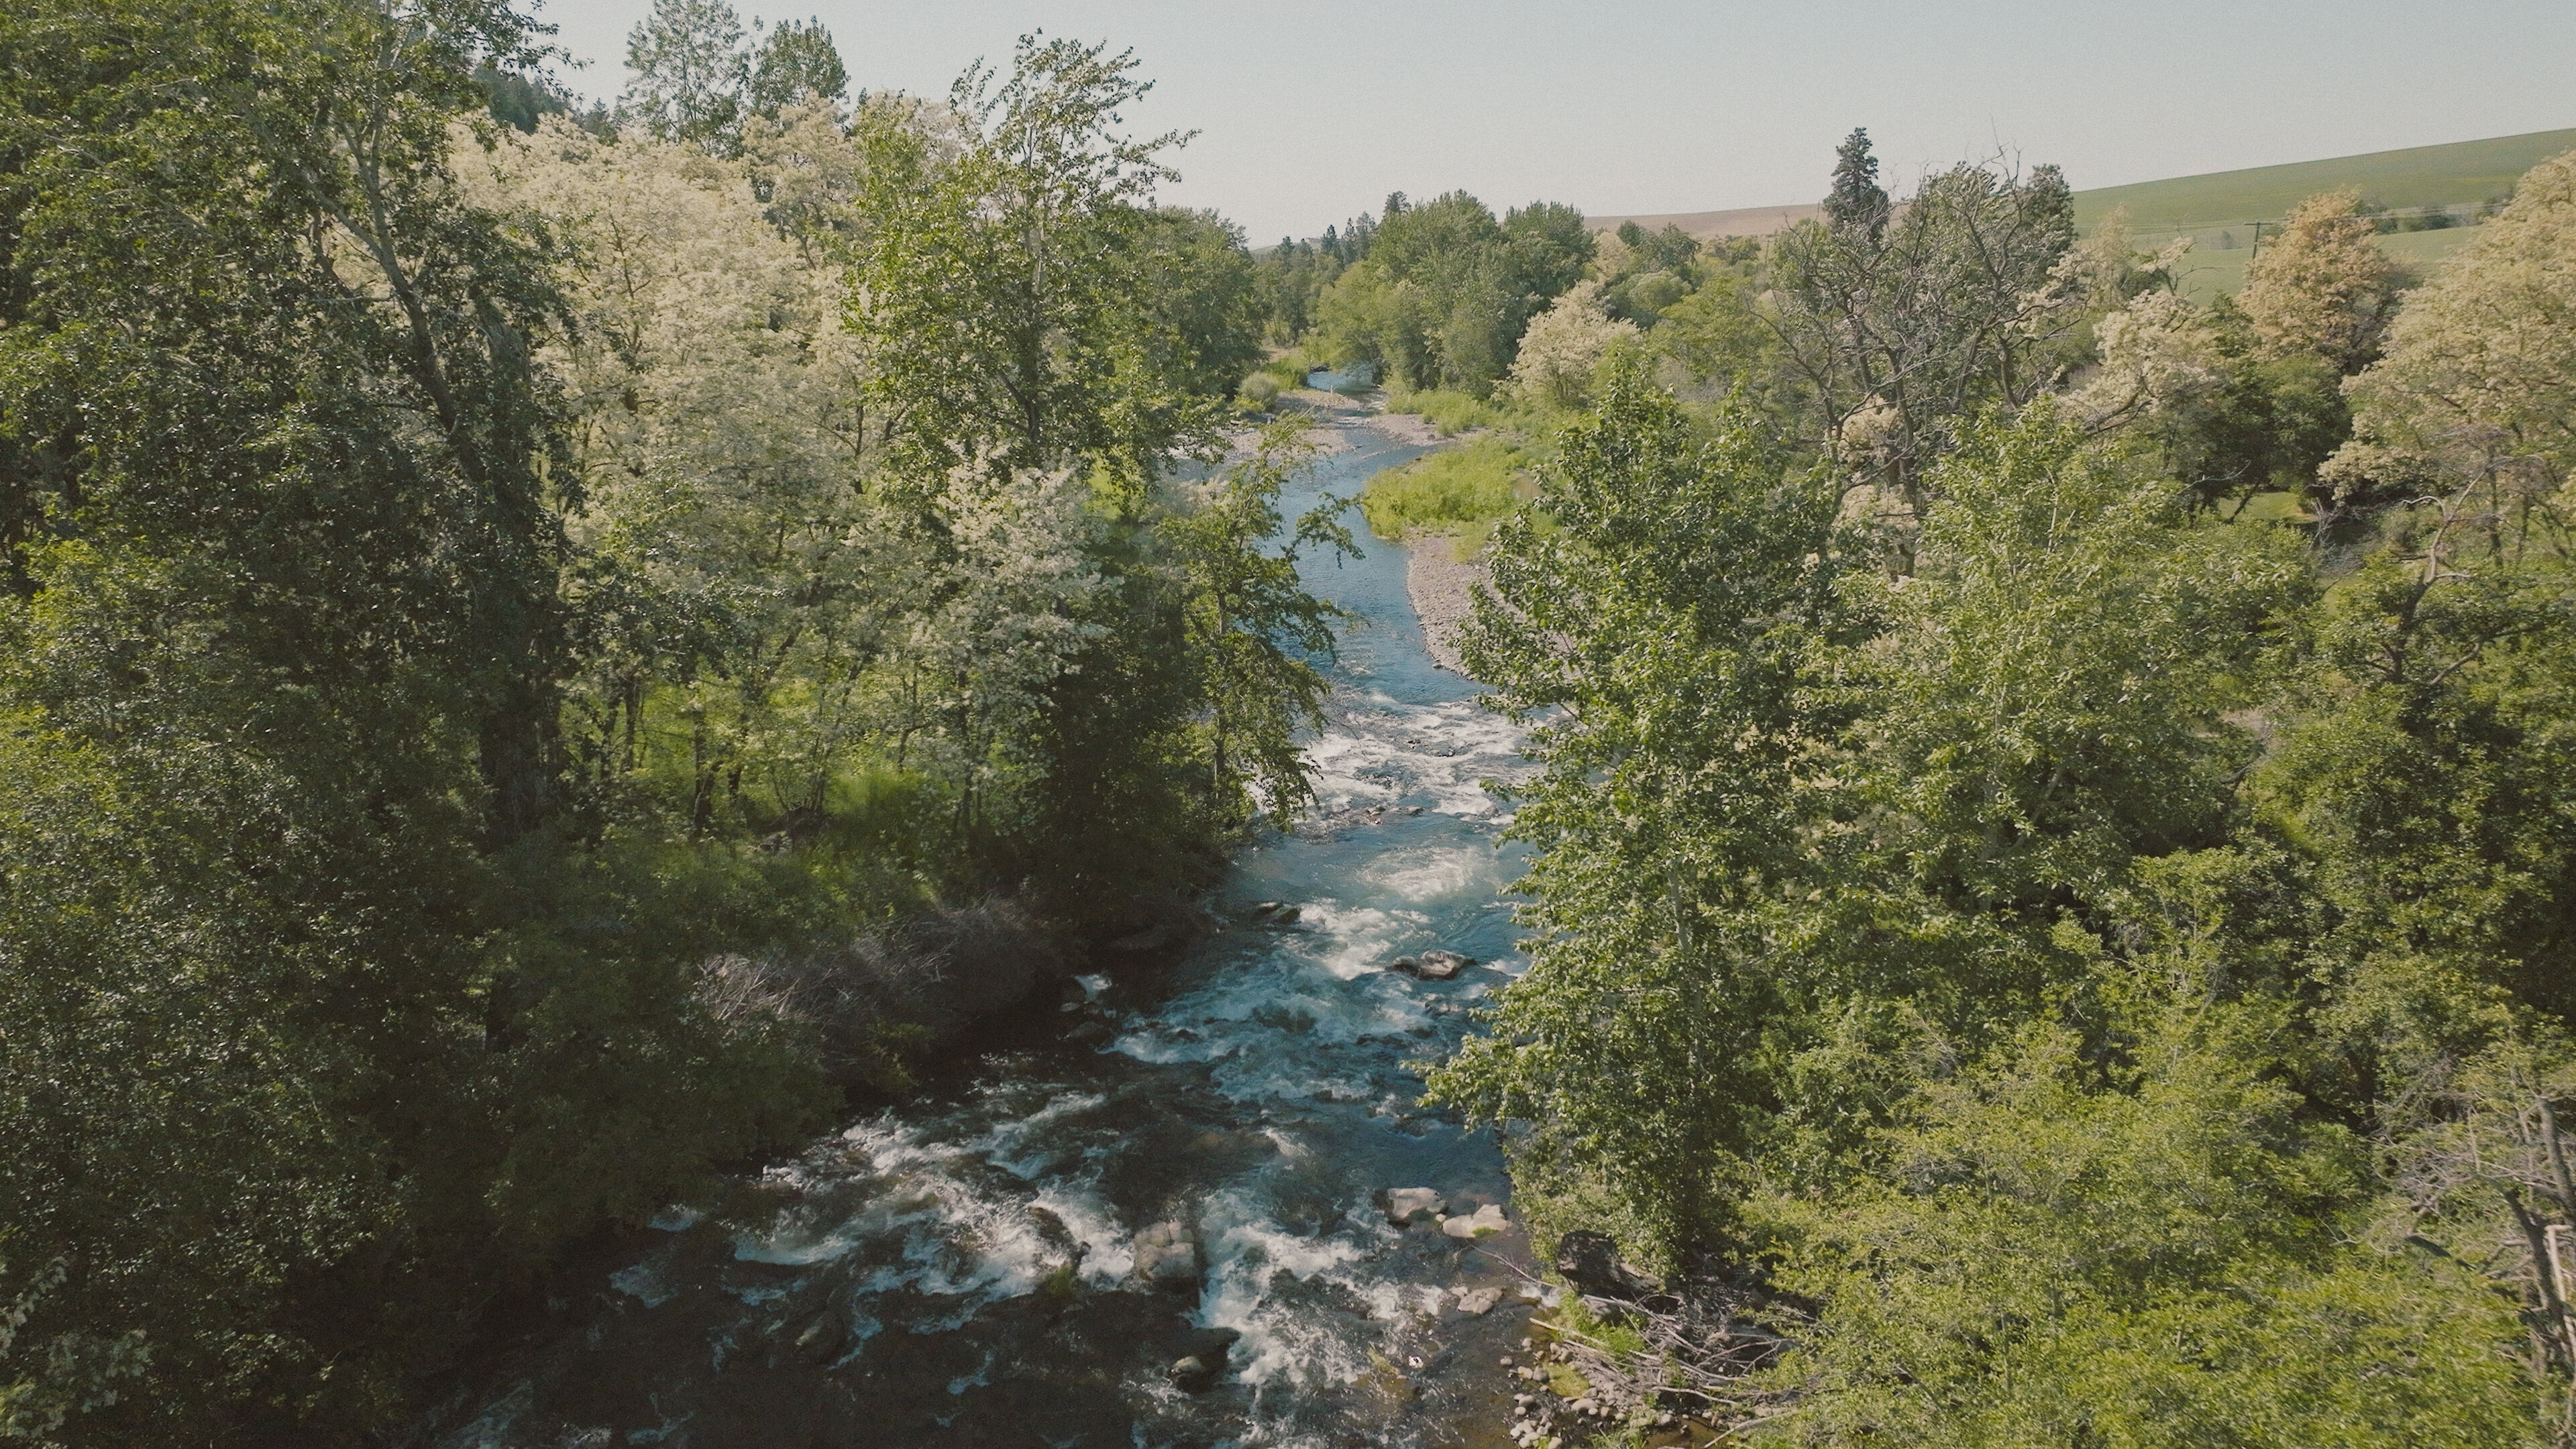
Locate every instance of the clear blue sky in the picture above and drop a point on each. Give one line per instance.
(1311, 110)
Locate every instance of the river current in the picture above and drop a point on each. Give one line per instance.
(961, 1270)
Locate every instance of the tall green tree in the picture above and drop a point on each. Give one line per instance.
(990, 285)
(1446, 290)
(796, 62)
(691, 70)
(1857, 205)
(285, 645)
(1666, 612)
(1203, 299)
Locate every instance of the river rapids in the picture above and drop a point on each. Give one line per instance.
(960, 1270)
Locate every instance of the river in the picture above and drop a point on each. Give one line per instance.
(959, 1271)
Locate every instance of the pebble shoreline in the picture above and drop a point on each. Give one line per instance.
(1440, 586)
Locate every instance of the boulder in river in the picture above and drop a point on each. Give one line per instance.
(1205, 1363)
(1478, 1301)
(934, 973)
(1413, 1204)
(1432, 965)
(1278, 913)
(1167, 1256)
(1486, 1219)
(822, 1339)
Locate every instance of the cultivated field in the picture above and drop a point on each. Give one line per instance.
(2463, 173)
(1743, 221)
(2219, 210)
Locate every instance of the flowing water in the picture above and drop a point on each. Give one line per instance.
(960, 1270)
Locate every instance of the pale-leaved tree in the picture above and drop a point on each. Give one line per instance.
(1564, 347)
(2479, 380)
(2322, 285)
(735, 565)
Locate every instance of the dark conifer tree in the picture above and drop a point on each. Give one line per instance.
(1857, 203)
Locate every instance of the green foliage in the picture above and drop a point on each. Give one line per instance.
(1286, 371)
(1461, 491)
(1675, 568)
(1201, 301)
(995, 282)
(691, 70)
(2273, 422)
(1451, 412)
(1566, 1381)
(2147, 1251)
(1442, 295)
(521, 101)
(1720, 339)
(797, 62)
(2103, 965)
(1294, 275)
(532, 630)
(284, 707)
(1252, 629)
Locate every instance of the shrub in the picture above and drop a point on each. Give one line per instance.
(1451, 412)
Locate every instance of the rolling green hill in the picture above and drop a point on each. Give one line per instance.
(2463, 173)
(2218, 210)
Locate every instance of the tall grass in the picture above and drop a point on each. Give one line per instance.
(1288, 369)
(1461, 492)
(1450, 412)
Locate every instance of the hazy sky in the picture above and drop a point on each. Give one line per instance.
(1309, 112)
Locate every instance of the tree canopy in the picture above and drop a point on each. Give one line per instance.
(2074, 958)
(474, 582)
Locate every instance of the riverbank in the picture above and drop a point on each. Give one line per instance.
(1443, 592)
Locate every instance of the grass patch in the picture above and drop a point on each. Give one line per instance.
(1451, 412)
(2217, 211)
(2277, 507)
(1460, 491)
(2216, 269)
(1567, 1381)
(1573, 1320)
(1288, 369)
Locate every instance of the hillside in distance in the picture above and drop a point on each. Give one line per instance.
(2460, 174)
(1742, 221)
(2218, 210)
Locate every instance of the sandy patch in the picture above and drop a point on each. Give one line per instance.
(1321, 437)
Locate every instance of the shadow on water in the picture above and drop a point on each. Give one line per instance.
(963, 1269)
